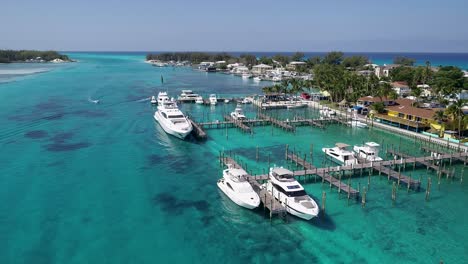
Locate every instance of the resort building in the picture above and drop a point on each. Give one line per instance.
(404, 115)
(426, 90)
(401, 88)
(261, 69)
(384, 71)
(366, 101)
(240, 70)
(294, 64)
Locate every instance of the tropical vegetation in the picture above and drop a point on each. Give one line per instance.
(8, 56)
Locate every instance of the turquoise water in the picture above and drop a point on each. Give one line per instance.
(102, 183)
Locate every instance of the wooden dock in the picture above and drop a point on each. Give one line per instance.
(197, 131)
(422, 161)
(440, 152)
(343, 187)
(400, 178)
(238, 123)
(279, 123)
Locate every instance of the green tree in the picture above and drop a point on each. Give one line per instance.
(355, 61)
(281, 59)
(334, 58)
(298, 56)
(379, 107)
(404, 61)
(249, 59)
(448, 81)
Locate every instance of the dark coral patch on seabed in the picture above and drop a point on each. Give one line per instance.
(36, 134)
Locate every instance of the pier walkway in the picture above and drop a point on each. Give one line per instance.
(238, 123)
(423, 161)
(279, 123)
(197, 130)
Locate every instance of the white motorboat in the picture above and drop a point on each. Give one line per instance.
(171, 119)
(236, 186)
(357, 123)
(238, 113)
(369, 151)
(226, 101)
(257, 79)
(341, 154)
(327, 112)
(247, 100)
(246, 75)
(213, 99)
(284, 187)
(295, 104)
(276, 79)
(153, 100)
(188, 95)
(199, 100)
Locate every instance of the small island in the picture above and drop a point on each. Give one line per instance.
(9, 56)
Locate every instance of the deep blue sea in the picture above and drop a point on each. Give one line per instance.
(102, 183)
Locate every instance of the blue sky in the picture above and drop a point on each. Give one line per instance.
(239, 25)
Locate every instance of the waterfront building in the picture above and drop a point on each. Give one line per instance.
(384, 71)
(401, 88)
(261, 69)
(294, 64)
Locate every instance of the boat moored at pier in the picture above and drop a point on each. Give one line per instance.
(236, 186)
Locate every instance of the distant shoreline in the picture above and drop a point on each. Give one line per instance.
(32, 56)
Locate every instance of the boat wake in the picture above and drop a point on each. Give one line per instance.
(143, 100)
(93, 101)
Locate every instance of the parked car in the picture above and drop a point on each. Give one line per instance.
(305, 96)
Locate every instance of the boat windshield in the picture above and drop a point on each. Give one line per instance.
(284, 177)
(176, 116)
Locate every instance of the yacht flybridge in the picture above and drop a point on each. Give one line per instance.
(369, 151)
(341, 154)
(171, 119)
(284, 187)
(236, 186)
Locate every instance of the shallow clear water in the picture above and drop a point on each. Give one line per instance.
(102, 183)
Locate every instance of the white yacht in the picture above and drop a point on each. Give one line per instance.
(213, 99)
(369, 151)
(171, 119)
(238, 114)
(341, 154)
(188, 95)
(235, 185)
(356, 123)
(327, 112)
(199, 100)
(247, 100)
(153, 100)
(257, 79)
(291, 194)
(226, 101)
(246, 75)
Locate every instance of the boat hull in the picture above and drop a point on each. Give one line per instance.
(222, 186)
(170, 131)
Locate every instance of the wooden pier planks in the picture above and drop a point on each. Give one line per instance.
(277, 122)
(424, 161)
(238, 123)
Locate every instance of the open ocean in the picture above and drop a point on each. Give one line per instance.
(102, 183)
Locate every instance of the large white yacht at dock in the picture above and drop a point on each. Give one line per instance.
(236, 186)
(369, 151)
(284, 187)
(341, 154)
(171, 119)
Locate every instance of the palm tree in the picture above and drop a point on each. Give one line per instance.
(455, 112)
(439, 116)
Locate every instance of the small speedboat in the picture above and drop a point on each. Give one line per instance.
(199, 100)
(226, 101)
(236, 186)
(238, 114)
(213, 99)
(327, 112)
(357, 123)
(246, 76)
(153, 100)
(257, 79)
